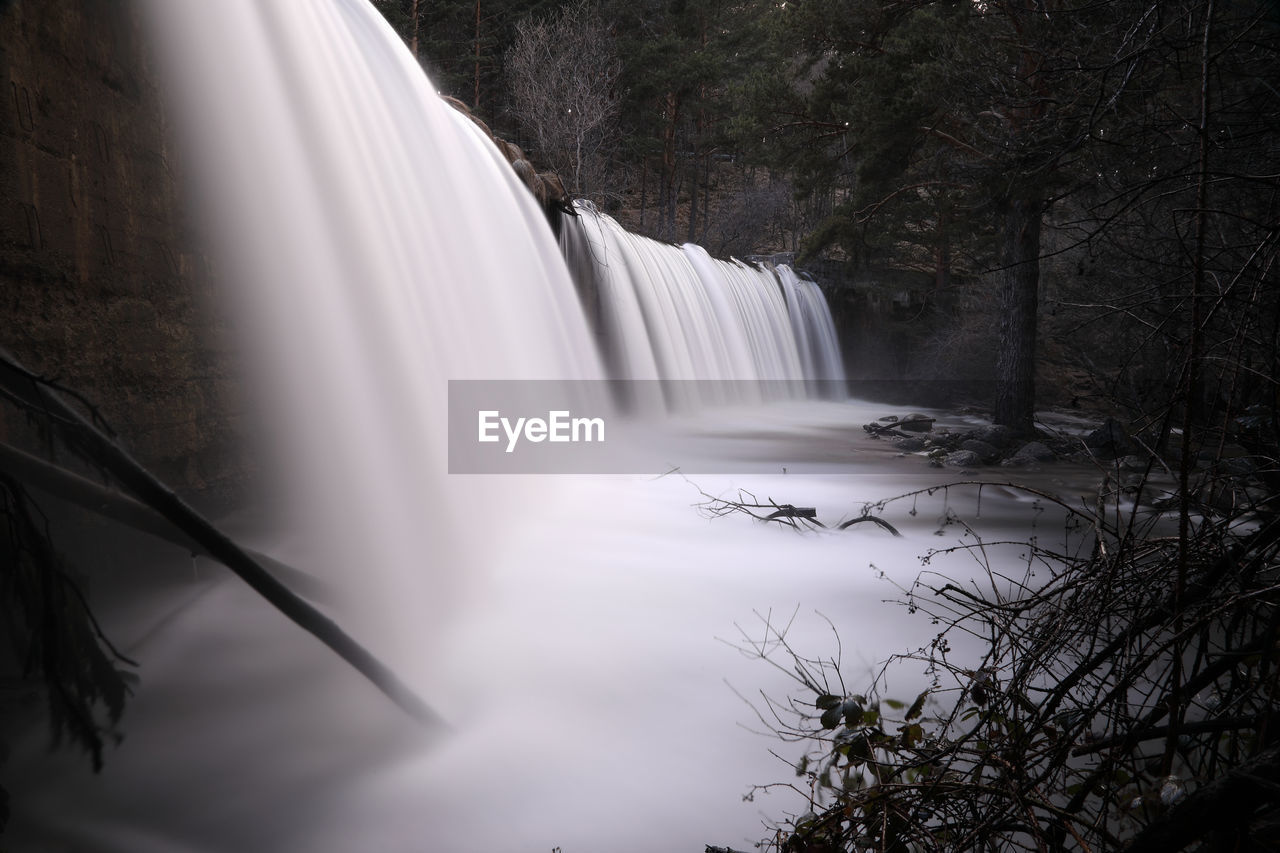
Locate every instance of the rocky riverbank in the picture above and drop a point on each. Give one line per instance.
(1223, 473)
(995, 445)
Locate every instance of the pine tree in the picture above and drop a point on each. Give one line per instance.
(942, 121)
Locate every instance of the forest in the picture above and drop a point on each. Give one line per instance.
(1080, 181)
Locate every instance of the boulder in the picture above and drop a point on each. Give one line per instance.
(909, 445)
(1037, 450)
(963, 459)
(1132, 463)
(988, 453)
(1110, 440)
(915, 422)
(1030, 453)
(998, 435)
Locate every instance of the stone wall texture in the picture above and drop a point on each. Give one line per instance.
(100, 286)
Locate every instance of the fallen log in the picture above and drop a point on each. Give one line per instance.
(58, 482)
(90, 442)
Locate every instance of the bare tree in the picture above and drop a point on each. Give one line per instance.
(562, 72)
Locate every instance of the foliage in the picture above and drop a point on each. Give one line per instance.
(53, 633)
(1125, 690)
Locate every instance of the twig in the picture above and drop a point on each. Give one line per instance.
(874, 520)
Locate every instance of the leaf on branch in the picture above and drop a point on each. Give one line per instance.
(827, 701)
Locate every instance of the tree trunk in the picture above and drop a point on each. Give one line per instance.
(1019, 292)
(103, 453)
(476, 100)
(942, 252)
(667, 223)
(695, 158)
(693, 201)
(579, 187)
(644, 187)
(706, 194)
(413, 42)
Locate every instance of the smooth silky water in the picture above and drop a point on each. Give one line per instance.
(577, 633)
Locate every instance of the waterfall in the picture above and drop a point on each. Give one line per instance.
(378, 247)
(668, 312)
(817, 332)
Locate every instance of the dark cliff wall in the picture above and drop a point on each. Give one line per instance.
(99, 284)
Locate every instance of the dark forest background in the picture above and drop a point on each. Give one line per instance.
(1044, 191)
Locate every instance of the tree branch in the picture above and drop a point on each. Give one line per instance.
(90, 442)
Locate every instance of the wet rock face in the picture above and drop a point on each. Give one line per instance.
(100, 286)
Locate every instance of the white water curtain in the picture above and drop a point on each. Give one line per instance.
(377, 246)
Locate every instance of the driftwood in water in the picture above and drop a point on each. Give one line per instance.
(789, 511)
(89, 442)
(792, 516)
(787, 514)
(895, 429)
(874, 520)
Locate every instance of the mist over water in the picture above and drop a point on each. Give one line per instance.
(577, 633)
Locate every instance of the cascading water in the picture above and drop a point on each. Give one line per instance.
(362, 263)
(380, 247)
(817, 332)
(668, 312)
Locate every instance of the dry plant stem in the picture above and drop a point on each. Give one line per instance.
(791, 516)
